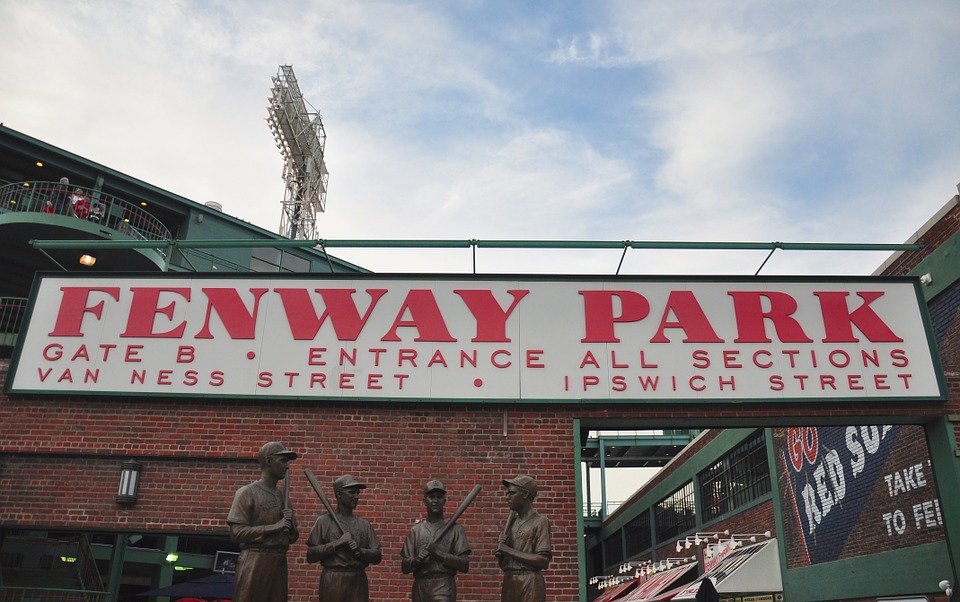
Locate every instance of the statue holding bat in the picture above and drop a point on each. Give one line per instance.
(524, 548)
(343, 543)
(263, 525)
(435, 549)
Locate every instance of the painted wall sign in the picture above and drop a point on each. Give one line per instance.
(855, 490)
(474, 338)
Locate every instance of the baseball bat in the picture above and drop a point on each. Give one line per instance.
(323, 499)
(459, 511)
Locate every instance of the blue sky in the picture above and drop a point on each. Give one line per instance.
(680, 121)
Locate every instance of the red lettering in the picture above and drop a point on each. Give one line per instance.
(339, 307)
(315, 356)
(425, 317)
(589, 360)
(239, 323)
(407, 355)
(133, 353)
(496, 354)
(751, 317)
(701, 359)
(599, 316)
(533, 358)
(700, 380)
(490, 316)
(756, 359)
(437, 359)
(185, 354)
(73, 306)
(57, 352)
(802, 444)
(347, 356)
(899, 357)
(730, 358)
(690, 318)
(838, 320)
(468, 358)
(144, 307)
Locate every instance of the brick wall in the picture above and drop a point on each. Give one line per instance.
(61, 459)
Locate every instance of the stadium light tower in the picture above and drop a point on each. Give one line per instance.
(298, 131)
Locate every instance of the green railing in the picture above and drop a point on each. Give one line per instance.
(12, 310)
(130, 219)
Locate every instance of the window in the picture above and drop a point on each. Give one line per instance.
(613, 549)
(676, 514)
(264, 259)
(738, 478)
(637, 534)
(291, 263)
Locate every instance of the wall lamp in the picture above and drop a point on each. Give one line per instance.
(700, 538)
(737, 539)
(87, 260)
(129, 482)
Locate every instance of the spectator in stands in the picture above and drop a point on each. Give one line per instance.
(96, 214)
(80, 202)
(61, 195)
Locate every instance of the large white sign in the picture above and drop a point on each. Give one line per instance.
(443, 338)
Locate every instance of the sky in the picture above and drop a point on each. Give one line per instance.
(759, 121)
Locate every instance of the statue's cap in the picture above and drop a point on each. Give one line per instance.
(523, 481)
(347, 481)
(434, 485)
(275, 448)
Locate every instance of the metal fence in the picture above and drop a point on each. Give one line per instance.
(12, 310)
(77, 202)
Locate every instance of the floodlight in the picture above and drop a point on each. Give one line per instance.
(300, 139)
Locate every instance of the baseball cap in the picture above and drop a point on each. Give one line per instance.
(434, 485)
(347, 481)
(524, 482)
(275, 448)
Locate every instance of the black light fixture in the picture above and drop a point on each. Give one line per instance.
(129, 482)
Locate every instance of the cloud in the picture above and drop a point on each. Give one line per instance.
(644, 121)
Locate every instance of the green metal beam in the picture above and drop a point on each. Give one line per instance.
(638, 441)
(467, 243)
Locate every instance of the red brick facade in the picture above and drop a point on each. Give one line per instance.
(60, 460)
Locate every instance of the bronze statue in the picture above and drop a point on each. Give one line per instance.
(344, 544)
(524, 547)
(263, 524)
(436, 549)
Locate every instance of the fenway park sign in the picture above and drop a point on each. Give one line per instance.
(561, 339)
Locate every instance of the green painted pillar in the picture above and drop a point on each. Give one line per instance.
(946, 470)
(116, 567)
